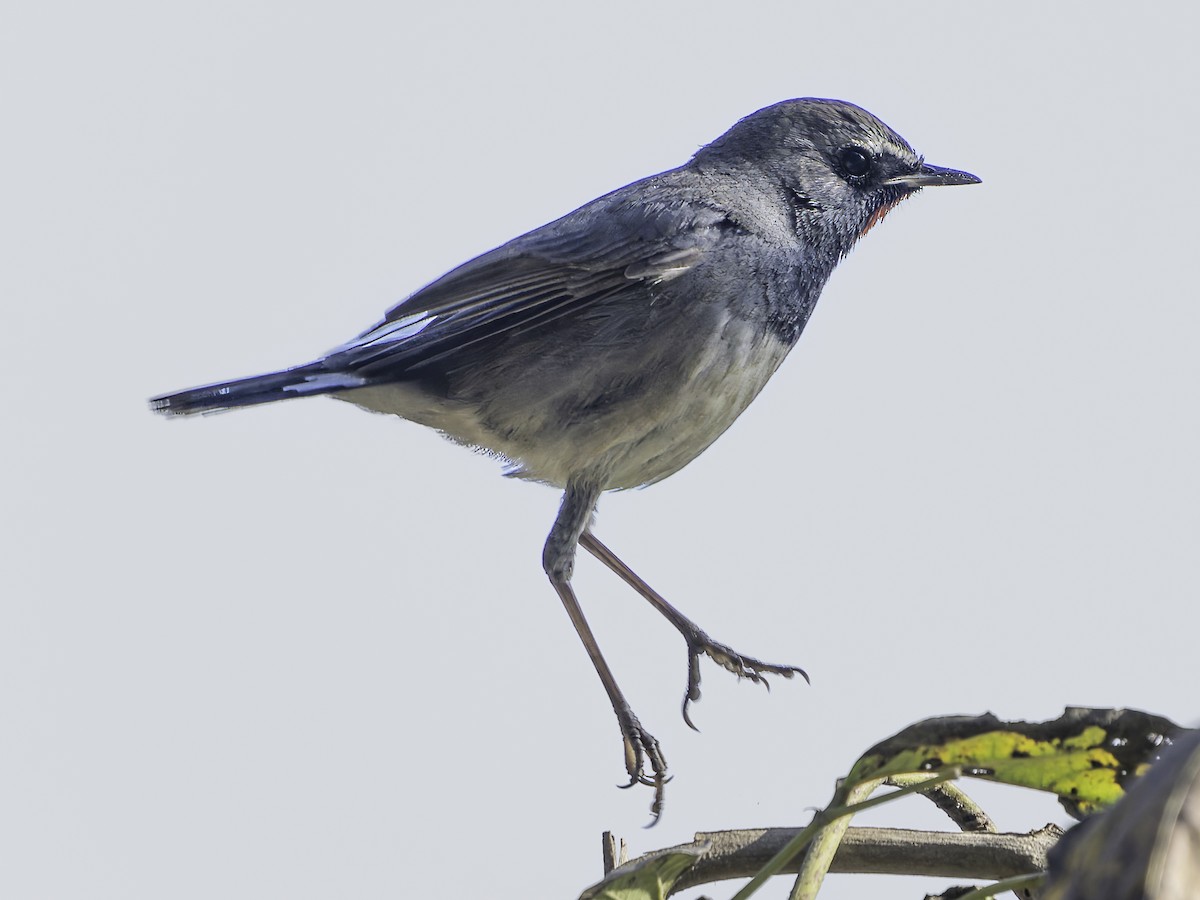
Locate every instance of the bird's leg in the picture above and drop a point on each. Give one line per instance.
(697, 641)
(558, 559)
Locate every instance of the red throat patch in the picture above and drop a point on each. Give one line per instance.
(877, 216)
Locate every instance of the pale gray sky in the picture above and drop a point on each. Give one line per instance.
(304, 652)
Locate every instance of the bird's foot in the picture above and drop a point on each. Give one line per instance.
(641, 747)
(700, 644)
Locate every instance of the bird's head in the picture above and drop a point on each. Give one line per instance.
(838, 167)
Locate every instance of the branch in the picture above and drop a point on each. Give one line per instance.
(896, 851)
(953, 801)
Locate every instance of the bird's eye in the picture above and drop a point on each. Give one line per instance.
(855, 161)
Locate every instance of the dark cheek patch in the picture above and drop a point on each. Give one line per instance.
(877, 216)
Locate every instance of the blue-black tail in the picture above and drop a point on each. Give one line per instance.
(301, 381)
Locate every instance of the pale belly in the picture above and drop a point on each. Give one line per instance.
(724, 382)
(550, 429)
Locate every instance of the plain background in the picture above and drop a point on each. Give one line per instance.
(305, 652)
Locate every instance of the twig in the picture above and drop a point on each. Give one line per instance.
(821, 820)
(988, 891)
(953, 801)
(819, 856)
(897, 851)
(613, 854)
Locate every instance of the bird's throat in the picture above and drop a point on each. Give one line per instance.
(878, 215)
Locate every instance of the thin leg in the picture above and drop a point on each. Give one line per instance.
(558, 559)
(697, 641)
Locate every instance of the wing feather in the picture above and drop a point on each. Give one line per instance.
(567, 267)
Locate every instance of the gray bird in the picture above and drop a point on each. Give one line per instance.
(607, 349)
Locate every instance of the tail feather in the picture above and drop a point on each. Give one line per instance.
(301, 381)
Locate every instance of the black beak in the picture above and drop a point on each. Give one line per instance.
(932, 176)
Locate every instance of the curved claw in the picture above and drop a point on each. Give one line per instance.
(645, 780)
(692, 694)
(731, 661)
(686, 716)
(642, 747)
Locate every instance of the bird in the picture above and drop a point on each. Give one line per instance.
(606, 350)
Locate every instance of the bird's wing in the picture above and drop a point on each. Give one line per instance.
(561, 269)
